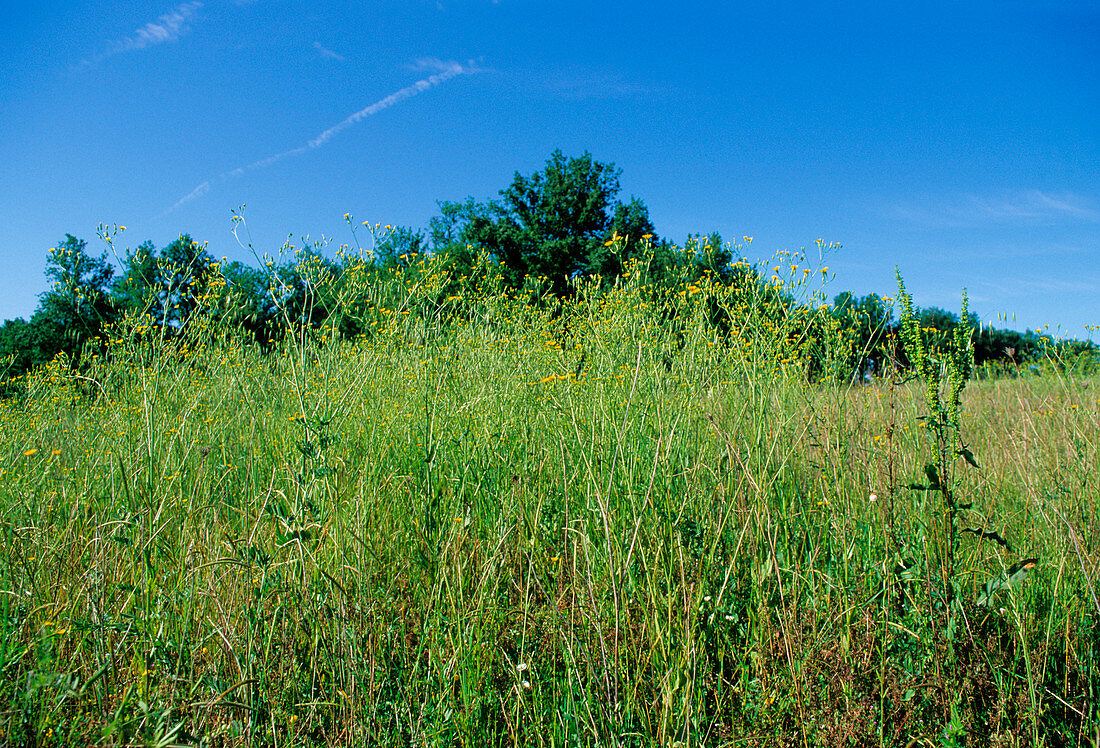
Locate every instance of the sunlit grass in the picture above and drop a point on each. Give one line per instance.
(630, 518)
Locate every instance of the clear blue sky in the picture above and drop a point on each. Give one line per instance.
(957, 140)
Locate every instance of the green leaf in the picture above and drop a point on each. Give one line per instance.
(967, 455)
(1013, 577)
(1019, 571)
(906, 570)
(934, 483)
(988, 535)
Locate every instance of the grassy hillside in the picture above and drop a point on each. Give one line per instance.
(502, 522)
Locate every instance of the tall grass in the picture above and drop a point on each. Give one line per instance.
(626, 519)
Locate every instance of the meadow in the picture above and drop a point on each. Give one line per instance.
(497, 518)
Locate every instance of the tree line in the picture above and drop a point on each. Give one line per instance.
(546, 230)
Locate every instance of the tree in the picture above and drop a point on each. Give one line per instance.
(78, 304)
(186, 271)
(631, 233)
(169, 286)
(864, 324)
(554, 224)
(399, 247)
(249, 306)
(709, 255)
(25, 345)
(137, 288)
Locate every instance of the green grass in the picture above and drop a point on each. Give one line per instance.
(525, 524)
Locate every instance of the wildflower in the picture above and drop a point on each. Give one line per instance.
(30, 452)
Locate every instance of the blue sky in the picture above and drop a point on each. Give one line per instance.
(959, 141)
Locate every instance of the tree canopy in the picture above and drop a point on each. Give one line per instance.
(548, 228)
(554, 224)
(168, 285)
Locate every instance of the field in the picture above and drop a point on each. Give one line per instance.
(512, 521)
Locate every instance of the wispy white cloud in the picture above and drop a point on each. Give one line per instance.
(587, 82)
(1032, 205)
(1067, 205)
(325, 52)
(434, 64)
(445, 71)
(168, 28)
(1023, 207)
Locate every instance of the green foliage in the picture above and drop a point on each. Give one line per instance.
(546, 234)
(399, 247)
(544, 480)
(554, 224)
(71, 314)
(620, 516)
(167, 286)
(942, 360)
(25, 345)
(75, 309)
(78, 298)
(942, 364)
(632, 234)
(248, 305)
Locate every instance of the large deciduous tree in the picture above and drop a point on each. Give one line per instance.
(555, 223)
(170, 285)
(78, 304)
(864, 326)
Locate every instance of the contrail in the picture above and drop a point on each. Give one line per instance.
(449, 70)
